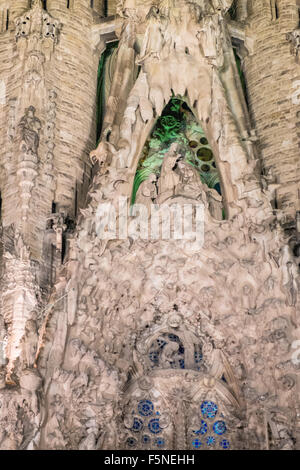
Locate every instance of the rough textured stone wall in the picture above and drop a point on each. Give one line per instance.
(112, 7)
(273, 83)
(74, 73)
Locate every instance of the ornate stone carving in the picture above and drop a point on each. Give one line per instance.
(36, 24)
(294, 39)
(18, 303)
(142, 345)
(50, 128)
(29, 136)
(202, 53)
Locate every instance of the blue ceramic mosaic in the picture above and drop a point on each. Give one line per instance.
(224, 444)
(219, 427)
(145, 408)
(197, 443)
(159, 442)
(202, 430)
(131, 442)
(146, 439)
(209, 409)
(210, 441)
(154, 426)
(137, 425)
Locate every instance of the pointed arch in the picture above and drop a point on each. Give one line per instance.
(178, 124)
(142, 133)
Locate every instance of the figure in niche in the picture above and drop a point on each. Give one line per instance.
(180, 178)
(22, 250)
(30, 341)
(153, 40)
(289, 275)
(167, 352)
(190, 184)
(170, 356)
(169, 179)
(294, 39)
(34, 72)
(210, 38)
(29, 128)
(147, 192)
(192, 168)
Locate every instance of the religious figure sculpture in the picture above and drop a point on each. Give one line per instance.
(147, 191)
(29, 128)
(190, 184)
(168, 178)
(215, 203)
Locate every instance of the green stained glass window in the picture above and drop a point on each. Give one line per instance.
(177, 124)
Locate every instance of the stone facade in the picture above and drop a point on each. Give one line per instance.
(132, 342)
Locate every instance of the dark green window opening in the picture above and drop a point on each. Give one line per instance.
(101, 85)
(177, 124)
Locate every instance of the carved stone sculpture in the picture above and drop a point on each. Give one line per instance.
(110, 340)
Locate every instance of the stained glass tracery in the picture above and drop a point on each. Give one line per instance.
(167, 351)
(146, 428)
(210, 433)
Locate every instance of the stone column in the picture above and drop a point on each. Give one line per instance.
(273, 83)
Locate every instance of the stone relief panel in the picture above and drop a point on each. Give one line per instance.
(177, 383)
(177, 320)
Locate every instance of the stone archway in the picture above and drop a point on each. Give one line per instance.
(182, 394)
